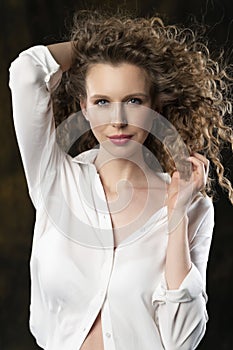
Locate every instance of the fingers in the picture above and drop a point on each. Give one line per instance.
(182, 191)
(201, 168)
(202, 159)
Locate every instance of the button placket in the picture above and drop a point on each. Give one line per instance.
(107, 327)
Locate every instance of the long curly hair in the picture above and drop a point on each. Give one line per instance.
(188, 87)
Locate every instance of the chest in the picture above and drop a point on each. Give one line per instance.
(82, 271)
(131, 209)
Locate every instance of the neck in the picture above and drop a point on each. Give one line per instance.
(132, 172)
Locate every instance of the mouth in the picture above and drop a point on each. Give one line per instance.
(121, 139)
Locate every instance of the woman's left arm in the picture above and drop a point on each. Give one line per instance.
(180, 195)
(180, 298)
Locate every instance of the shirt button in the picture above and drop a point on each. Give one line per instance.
(84, 329)
(108, 335)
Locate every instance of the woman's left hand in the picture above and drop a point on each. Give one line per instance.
(180, 191)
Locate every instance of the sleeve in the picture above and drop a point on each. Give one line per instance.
(181, 314)
(39, 313)
(34, 74)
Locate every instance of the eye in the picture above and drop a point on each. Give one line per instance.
(135, 101)
(101, 102)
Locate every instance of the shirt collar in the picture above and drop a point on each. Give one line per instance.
(86, 157)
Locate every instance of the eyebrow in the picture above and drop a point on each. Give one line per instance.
(125, 97)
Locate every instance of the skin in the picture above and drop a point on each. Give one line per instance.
(118, 102)
(178, 260)
(112, 91)
(107, 85)
(118, 86)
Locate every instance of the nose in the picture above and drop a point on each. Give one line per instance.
(118, 117)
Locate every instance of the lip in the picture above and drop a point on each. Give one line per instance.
(120, 139)
(120, 136)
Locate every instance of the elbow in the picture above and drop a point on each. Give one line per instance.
(189, 342)
(187, 337)
(24, 72)
(186, 326)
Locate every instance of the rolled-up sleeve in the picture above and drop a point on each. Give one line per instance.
(190, 288)
(181, 314)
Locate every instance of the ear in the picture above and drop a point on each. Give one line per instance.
(83, 106)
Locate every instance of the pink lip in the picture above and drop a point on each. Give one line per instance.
(120, 139)
(120, 136)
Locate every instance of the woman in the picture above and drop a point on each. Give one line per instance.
(120, 245)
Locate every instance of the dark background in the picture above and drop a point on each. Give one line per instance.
(25, 23)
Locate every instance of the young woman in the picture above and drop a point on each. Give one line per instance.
(123, 228)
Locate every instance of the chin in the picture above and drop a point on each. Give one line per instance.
(128, 151)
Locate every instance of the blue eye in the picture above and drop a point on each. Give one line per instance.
(101, 102)
(135, 101)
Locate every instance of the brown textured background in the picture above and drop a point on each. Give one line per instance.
(25, 23)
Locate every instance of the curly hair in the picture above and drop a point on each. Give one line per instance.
(187, 86)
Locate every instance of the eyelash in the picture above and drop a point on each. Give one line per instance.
(97, 102)
(139, 101)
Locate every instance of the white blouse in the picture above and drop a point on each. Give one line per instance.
(75, 271)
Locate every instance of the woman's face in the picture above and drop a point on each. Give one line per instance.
(118, 105)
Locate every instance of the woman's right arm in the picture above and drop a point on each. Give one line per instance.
(62, 53)
(34, 75)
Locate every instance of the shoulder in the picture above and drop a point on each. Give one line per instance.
(201, 204)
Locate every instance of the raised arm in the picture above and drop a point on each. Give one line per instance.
(62, 53)
(34, 75)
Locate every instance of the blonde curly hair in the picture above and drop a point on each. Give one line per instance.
(188, 87)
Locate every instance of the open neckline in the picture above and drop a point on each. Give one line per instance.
(140, 232)
(88, 157)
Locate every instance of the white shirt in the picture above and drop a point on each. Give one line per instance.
(75, 271)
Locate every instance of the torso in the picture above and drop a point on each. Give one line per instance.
(141, 207)
(94, 339)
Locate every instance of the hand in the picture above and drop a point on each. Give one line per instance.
(181, 192)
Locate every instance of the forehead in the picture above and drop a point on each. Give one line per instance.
(122, 78)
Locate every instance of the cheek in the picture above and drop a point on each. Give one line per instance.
(98, 118)
(143, 136)
(97, 124)
(142, 119)
(98, 131)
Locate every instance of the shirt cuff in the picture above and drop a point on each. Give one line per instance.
(190, 288)
(51, 68)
